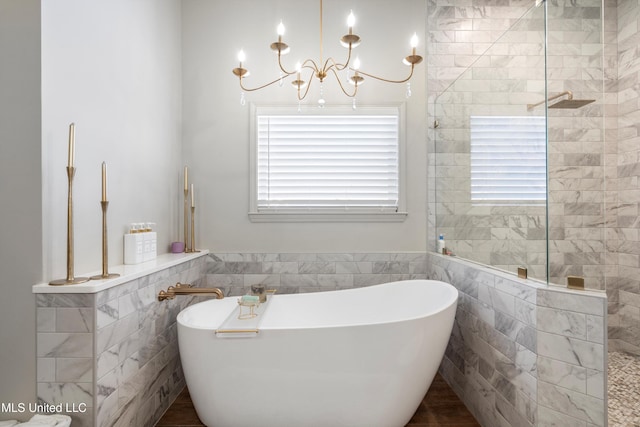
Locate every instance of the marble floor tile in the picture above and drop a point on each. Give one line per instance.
(623, 390)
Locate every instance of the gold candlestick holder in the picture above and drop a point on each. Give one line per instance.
(105, 248)
(193, 232)
(70, 280)
(186, 220)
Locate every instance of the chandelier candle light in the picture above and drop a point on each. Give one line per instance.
(322, 68)
(71, 171)
(104, 203)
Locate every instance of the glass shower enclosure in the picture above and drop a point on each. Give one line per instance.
(519, 155)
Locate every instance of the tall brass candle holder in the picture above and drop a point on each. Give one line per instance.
(70, 280)
(105, 247)
(186, 209)
(186, 219)
(193, 233)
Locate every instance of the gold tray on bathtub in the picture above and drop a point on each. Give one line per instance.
(237, 324)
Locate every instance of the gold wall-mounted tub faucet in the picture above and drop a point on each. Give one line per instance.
(188, 289)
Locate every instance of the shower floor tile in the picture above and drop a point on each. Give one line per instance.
(624, 390)
(440, 408)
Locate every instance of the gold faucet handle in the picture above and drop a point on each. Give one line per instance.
(162, 295)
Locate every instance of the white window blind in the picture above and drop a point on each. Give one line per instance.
(324, 162)
(508, 160)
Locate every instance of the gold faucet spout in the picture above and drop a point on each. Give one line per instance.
(188, 289)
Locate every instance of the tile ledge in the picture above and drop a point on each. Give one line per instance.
(537, 284)
(127, 273)
(598, 293)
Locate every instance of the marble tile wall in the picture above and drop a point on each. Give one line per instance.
(114, 352)
(572, 358)
(65, 325)
(234, 273)
(622, 236)
(523, 353)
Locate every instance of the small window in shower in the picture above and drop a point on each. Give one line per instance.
(508, 160)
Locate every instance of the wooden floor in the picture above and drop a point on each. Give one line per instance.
(440, 407)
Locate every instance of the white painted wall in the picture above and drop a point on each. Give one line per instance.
(21, 209)
(216, 126)
(112, 68)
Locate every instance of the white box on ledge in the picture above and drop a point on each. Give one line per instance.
(140, 247)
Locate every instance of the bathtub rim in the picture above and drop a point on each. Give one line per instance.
(451, 300)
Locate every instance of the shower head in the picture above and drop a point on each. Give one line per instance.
(572, 103)
(568, 103)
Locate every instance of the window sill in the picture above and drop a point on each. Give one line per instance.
(327, 217)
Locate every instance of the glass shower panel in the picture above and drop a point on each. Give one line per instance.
(490, 154)
(577, 155)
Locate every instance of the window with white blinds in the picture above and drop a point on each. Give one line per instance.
(508, 160)
(324, 162)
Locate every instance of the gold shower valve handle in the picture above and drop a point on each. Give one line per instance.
(182, 285)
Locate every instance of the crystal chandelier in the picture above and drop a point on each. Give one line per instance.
(325, 67)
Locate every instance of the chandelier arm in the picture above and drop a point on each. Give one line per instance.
(246, 89)
(341, 67)
(313, 66)
(388, 80)
(288, 73)
(335, 73)
(306, 90)
(335, 65)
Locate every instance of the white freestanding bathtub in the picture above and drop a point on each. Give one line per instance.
(358, 357)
